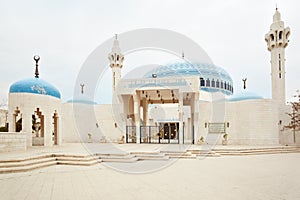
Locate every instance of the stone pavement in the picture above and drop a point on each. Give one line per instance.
(273, 176)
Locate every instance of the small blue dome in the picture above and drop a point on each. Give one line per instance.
(244, 96)
(82, 99)
(34, 86)
(212, 78)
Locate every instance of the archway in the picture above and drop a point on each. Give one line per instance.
(17, 120)
(37, 128)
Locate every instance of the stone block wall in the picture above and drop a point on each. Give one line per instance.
(12, 141)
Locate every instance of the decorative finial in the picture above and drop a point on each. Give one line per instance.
(81, 85)
(182, 54)
(36, 58)
(244, 80)
(276, 7)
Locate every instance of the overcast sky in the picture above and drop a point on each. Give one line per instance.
(64, 33)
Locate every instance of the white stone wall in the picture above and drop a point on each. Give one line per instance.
(251, 122)
(12, 142)
(27, 103)
(73, 123)
(2, 117)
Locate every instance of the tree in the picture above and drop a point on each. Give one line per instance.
(294, 115)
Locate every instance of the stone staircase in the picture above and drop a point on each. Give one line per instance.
(124, 158)
(257, 151)
(40, 161)
(30, 163)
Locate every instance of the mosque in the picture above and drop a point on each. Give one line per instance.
(181, 102)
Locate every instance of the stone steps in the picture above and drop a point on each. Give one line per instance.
(31, 163)
(45, 160)
(257, 151)
(124, 158)
(155, 155)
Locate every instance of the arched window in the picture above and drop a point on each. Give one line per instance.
(202, 82)
(222, 85)
(207, 82)
(272, 37)
(213, 83)
(280, 35)
(218, 83)
(225, 85)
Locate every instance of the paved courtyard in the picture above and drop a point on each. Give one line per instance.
(274, 176)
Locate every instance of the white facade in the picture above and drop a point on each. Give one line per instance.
(188, 108)
(48, 110)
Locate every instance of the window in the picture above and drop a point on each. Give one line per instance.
(213, 83)
(218, 84)
(207, 82)
(280, 35)
(225, 85)
(279, 65)
(202, 82)
(272, 37)
(222, 85)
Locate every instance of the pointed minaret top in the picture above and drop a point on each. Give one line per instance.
(116, 46)
(276, 16)
(115, 56)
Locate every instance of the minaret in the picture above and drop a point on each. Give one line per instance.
(277, 41)
(116, 59)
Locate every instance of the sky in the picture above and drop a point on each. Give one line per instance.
(64, 33)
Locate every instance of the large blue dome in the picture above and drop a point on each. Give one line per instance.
(34, 86)
(212, 78)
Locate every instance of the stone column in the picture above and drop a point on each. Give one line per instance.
(27, 126)
(195, 115)
(180, 112)
(48, 126)
(145, 112)
(59, 137)
(136, 108)
(12, 122)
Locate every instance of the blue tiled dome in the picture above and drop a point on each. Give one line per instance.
(34, 86)
(244, 96)
(212, 78)
(82, 99)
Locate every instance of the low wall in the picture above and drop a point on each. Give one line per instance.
(12, 141)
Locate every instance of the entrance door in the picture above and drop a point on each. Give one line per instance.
(170, 133)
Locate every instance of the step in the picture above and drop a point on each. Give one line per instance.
(27, 168)
(81, 163)
(126, 156)
(79, 159)
(15, 160)
(144, 157)
(121, 160)
(21, 163)
(145, 152)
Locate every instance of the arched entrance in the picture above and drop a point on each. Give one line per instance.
(17, 120)
(37, 128)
